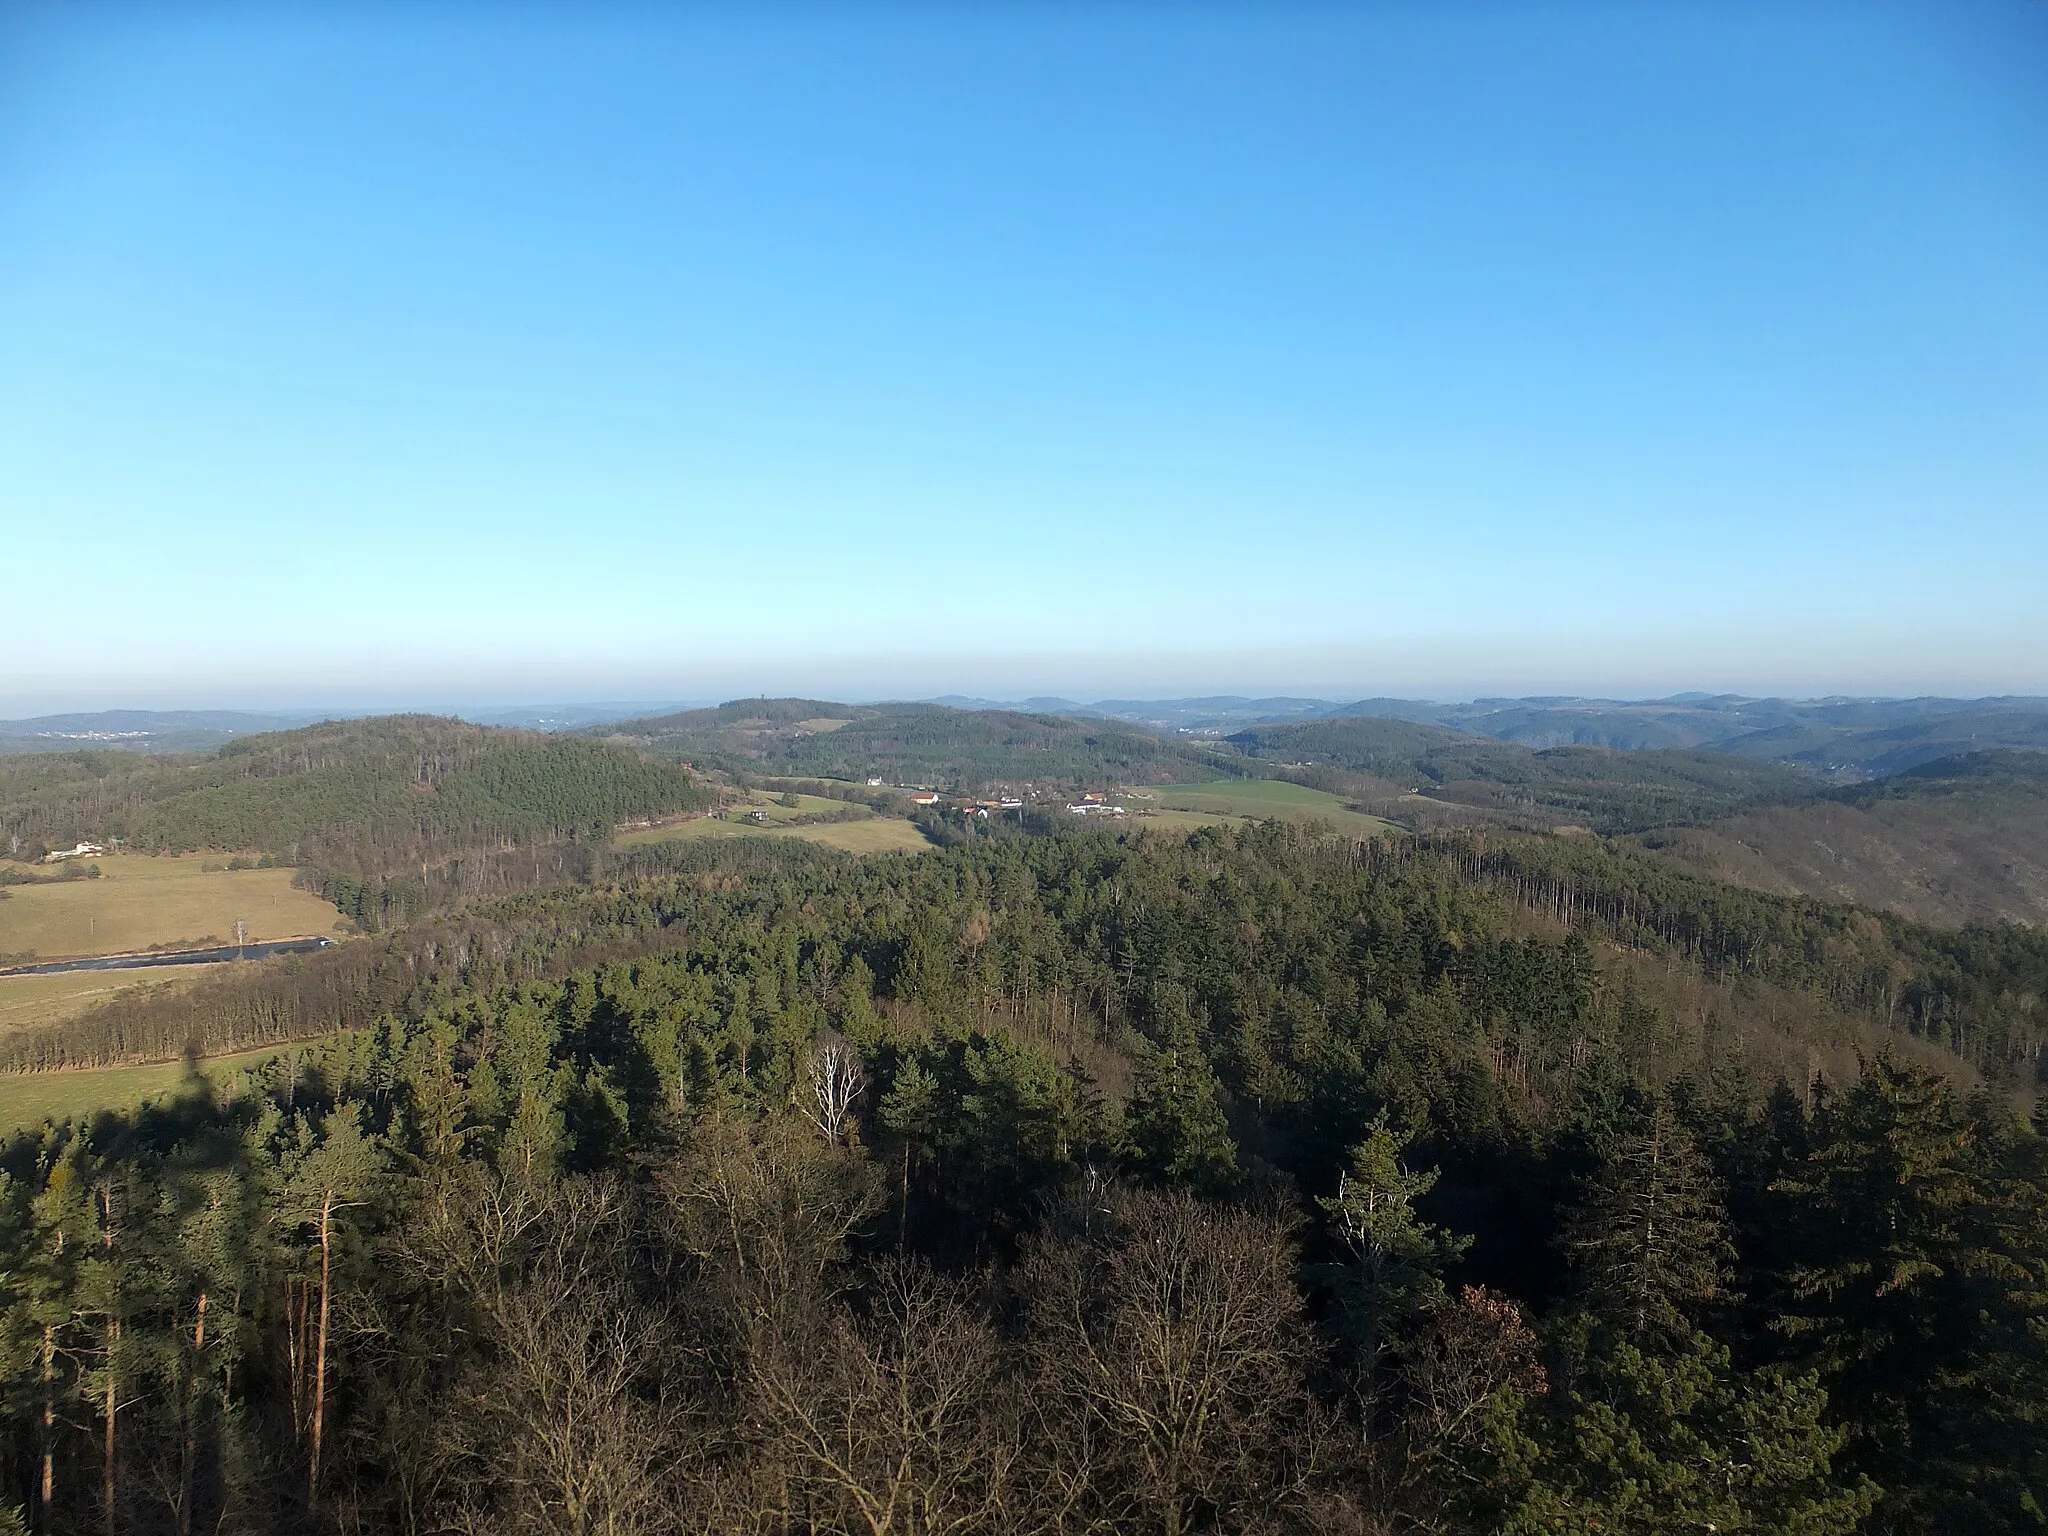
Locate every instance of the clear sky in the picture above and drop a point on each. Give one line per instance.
(391, 353)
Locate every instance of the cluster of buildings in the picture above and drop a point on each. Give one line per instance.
(1094, 805)
(1090, 804)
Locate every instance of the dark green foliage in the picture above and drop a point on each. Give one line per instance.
(1148, 1210)
(1649, 1241)
(1674, 1439)
(1916, 1288)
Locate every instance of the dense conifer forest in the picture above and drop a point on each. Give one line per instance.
(1246, 1181)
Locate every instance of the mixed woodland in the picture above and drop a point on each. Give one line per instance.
(1062, 1179)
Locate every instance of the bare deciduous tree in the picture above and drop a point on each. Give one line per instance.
(901, 1425)
(1169, 1354)
(576, 1422)
(836, 1079)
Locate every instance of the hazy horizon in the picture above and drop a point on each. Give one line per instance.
(619, 707)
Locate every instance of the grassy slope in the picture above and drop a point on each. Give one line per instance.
(27, 1002)
(1258, 799)
(869, 834)
(27, 1099)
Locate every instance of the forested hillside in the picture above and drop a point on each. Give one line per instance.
(358, 797)
(1250, 1181)
(922, 744)
(1956, 841)
(1840, 737)
(1474, 779)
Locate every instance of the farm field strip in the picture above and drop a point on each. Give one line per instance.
(869, 834)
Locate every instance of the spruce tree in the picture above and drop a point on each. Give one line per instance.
(1396, 1258)
(1649, 1242)
(1921, 1277)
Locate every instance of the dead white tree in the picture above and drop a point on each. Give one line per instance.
(836, 1080)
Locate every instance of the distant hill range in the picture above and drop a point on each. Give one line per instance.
(204, 730)
(141, 730)
(1843, 737)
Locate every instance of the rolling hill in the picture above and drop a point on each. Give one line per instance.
(1844, 738)
(139, 730)
(368, 795)
(921, 744)
(1462, 777)
(1956, 841)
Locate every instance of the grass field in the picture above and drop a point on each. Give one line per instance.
(29, 1098)
(35, 1000)
(1184, 821)
(139, 901)
(1258, 800)
(870, 834)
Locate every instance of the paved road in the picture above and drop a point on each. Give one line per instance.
(174, 957)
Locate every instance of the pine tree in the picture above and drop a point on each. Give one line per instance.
(329, 1169)
(1651, 1442)
(909, 1112)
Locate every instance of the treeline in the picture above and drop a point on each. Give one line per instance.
(1053, 1186)
(1981, 992)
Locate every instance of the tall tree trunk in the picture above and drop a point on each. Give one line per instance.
(107, 1485)
(48, 1486)
(190, 1456)
(320, 1348)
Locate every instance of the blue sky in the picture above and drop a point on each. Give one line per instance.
(401, 353)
